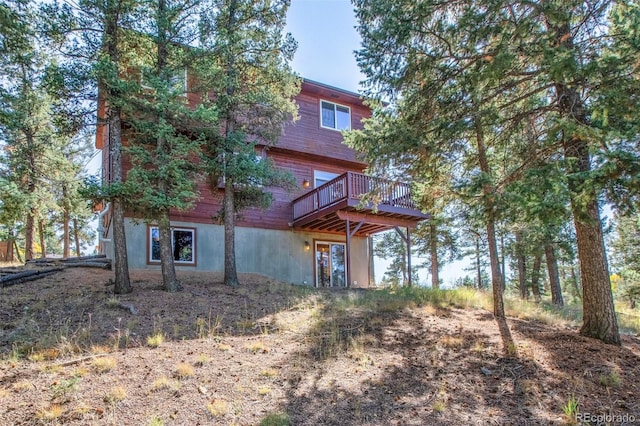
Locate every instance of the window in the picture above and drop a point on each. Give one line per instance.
(177, 81)
(320, 178)
(183, 241)
(334, 116)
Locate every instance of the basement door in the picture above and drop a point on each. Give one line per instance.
(331, 270)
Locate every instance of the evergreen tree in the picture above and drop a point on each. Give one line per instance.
(253, 93)
(486, 67)
(165, 140)
(93, 38)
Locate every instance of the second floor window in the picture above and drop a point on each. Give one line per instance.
(334, 116)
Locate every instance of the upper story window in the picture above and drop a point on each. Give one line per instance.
(320, 177)
(334, 116)
(177, 81)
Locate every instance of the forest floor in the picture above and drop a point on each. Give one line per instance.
(274, 354)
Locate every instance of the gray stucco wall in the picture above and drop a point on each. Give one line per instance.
(276, 254)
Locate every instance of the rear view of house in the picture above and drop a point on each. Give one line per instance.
(316, 235)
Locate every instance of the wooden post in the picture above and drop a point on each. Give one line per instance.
(347, 254)
(409, 283)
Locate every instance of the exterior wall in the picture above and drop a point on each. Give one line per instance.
(280, 214)
(276, 254)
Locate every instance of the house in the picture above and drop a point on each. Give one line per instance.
(316, 235)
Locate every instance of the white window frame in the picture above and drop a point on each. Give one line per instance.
(172, 80)
(323, 176)
(175, 78)
(150, 258)
(335, 114)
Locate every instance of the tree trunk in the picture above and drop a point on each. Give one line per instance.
(120, 258)
(114, 122)
(30, 230)
(66, 234)
(522, 268)
(599, 317)
(535, 277)
(230, 272)
(76, 236)
(8, 255)
(503, 272)
(30, 223)
(478, 269)
(433, 247)
(554, 276)
(169, 279)
(488, 192)
(43, 240)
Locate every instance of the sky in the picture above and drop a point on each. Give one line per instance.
(327, 38)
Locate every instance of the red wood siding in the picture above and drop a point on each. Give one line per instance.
(280, 214)
(304, 147)
(308, 136)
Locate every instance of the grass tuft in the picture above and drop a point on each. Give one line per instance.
(184, 371)
(163, 382)
(155, 340)
(218, 407)
(115, 395)
(52, 413)
(104, 364)
(269, 372)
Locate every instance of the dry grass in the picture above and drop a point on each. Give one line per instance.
(51, 413)
(104, 364)
(218, 407)
(451, 342)
(164, 383)
(269, 372)
(264, 390)
(184, 371)
(340, 357)
(155, 340)
(256, 346)
(202, 359)
(115, 395)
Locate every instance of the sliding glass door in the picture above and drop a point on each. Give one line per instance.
(331, 269)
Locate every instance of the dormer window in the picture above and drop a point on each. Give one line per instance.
(334, 116)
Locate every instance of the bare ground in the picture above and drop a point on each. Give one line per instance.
(72, 353)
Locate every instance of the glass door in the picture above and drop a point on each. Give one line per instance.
(331, 269)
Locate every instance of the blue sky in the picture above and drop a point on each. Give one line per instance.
(327, 38)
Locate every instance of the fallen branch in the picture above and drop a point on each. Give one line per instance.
(103, 265)
(81, 258)
(27, 276)
(79, 360)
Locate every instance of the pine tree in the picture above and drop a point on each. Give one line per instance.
(165, 142)
(93, 38)
(460, 65)
(253, 93)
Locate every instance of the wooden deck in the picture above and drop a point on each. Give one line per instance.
(328, 207)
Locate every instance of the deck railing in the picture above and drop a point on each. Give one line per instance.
(353, 186)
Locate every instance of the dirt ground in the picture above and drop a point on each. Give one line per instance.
(73, 353)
